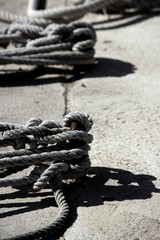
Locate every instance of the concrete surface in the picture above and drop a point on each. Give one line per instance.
(120, 199)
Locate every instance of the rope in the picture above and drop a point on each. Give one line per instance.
(58, 44)
(39, 41)
(57, 152)
(61, 15)
(121, 6)
(72, 13)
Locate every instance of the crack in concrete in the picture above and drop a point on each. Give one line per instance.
(66, 90)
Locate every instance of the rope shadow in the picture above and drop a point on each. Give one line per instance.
(103, 67)
(24, 194)
(94, 191)
(33, 77)
(108, 67)
(24, 207)
(132, 19)
(129, 186)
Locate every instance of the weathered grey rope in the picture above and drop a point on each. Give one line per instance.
(19, 181)
(66, 14)
(57, 151)
(56, 44)
(72, 13)
(75, 12)
(42, 157)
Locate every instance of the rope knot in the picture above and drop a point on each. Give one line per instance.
(59, 44)
(54, 148)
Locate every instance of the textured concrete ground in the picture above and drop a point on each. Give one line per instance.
(121, 198)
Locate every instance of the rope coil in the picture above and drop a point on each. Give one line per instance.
(42, 38)
(56, 44)
(57, 152)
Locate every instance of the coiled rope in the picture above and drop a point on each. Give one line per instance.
(56, 44)
(57, 152)
(39, 40)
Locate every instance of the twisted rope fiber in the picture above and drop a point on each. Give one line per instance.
(57, 152)
(58, 44)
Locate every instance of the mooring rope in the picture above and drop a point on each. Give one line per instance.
(72, 13)
(56, 44)
(60, 15)
(42, 38)
(57, 152)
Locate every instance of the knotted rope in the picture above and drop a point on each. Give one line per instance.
(43, 42)
(56, 44)
(57, 152)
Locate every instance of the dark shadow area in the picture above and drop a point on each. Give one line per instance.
(107, 67)
(125, 20)
(8, 171)
(93, 190)
(34, 76)
(103, 67)
(23, 193)
(24, 207)
(127, 186)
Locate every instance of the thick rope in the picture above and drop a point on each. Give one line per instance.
(65, 14)
(72, 13)
(39, 41)
(57, 44)
(55, 184)
(57, 151)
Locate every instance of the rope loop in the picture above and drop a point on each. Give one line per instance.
(84, 121)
